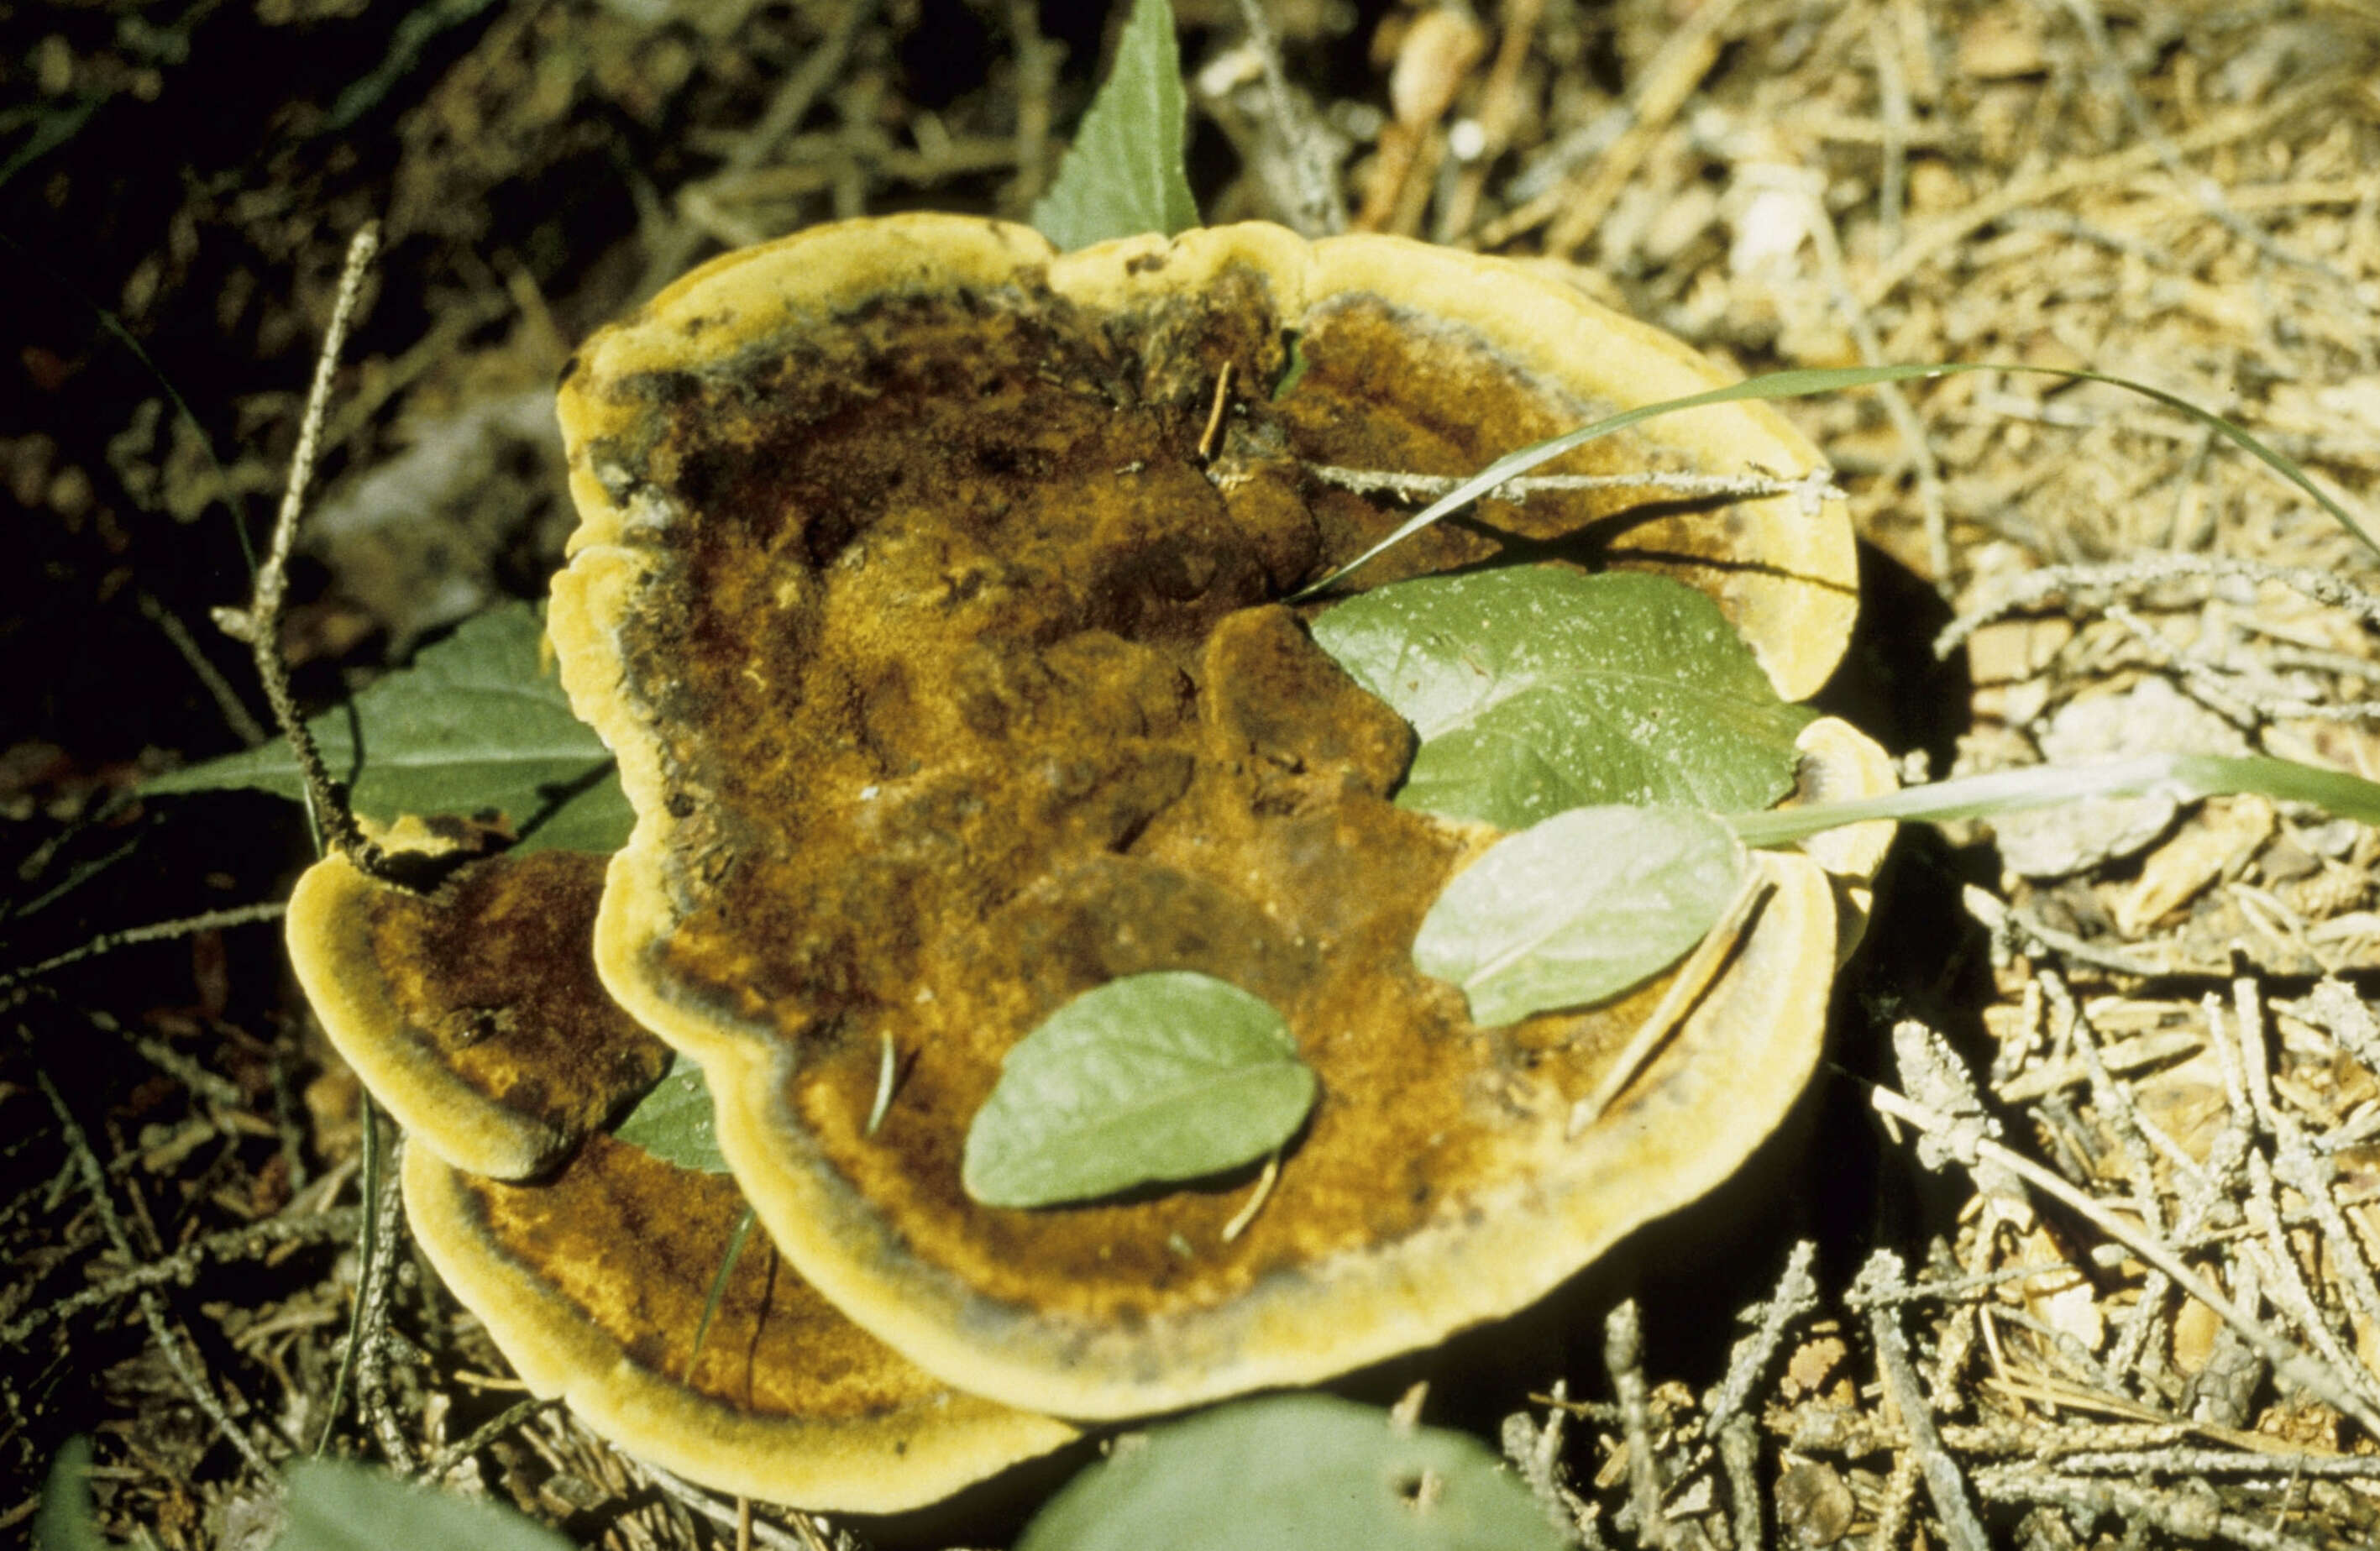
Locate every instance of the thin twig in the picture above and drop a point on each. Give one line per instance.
(260, 624)
(236, 714)
(1624, 1359)
(379, 1285)
(435, 1467)
(2292, 1363)
(1897, 407)
(1321, 202)
(161, 931)
(176, 1270)
(1796, 1295)
(1952, 1510)
(153, 1309)
(1732, 487)
(792, 103)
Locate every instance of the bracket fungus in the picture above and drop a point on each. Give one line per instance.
(473, 1012)
(932, 588)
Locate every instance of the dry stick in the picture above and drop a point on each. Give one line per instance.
(2287, 1360)
(1037, 81)
(1622, 1356)
(435, 1467)
(805, 1537)
(1322, 203)
(373, 1334)
(236, 716)
(2194, 1518)
(1897, 406)
(2039, 586)
(176, 1270)
(1739, 1460)
(1814, 486)
(1892, 97)
(2263, 1208)
(1939, 236)
(1796, 1294)
(161, 931)
(2314, 1177)
(1997, 916)
(1500, 109)
(791, 104)
(1900, 1498)
(152, 1312)
(1952, 1512)
(1671, 78)
(259, 624)
(2205, 191)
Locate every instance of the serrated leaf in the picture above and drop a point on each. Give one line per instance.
(1580, 908)
(1154, 1077)
(479, 722)
(334, 1506)
(1124, 175)
(1295, 1473)
(675, 1122)
(1536, 689)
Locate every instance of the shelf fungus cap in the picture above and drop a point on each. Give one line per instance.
(929, 587)
(471, 1011)
(593, 1276)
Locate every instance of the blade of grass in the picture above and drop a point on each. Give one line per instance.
(719, 1289)
(2182, 776)
(1803, 384)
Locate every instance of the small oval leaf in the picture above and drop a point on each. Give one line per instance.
(1580, 908)
(1154, 1077)
(675, 1122)
(1297, 1473)
(1536, 689)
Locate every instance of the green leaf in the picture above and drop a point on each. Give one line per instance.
(334, 1506)
(479, 722)
(1165, 1076)
(1803, 383)
(64, 1521)
(1536, 689)
(1124, 175)
(1580, 908)
(675, 1122)
(1297, 1473)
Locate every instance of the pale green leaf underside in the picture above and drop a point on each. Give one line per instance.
(336, 1505)
(1295, 1473)
(1124, 175)
(1155, 1077)
(1580, 908)
(478, 722)
(1536, 689)
(675, 1122)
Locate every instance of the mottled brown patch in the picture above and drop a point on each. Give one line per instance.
(952, 686)
(595, 1282)
(632, 1244)
(493, 976)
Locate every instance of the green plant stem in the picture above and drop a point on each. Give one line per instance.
(2181, 776)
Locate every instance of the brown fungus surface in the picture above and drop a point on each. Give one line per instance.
(473, 1012)
(950, 680)
(592, 1278)
(594, 1283)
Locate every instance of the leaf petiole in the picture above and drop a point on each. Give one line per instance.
(2182, 776)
